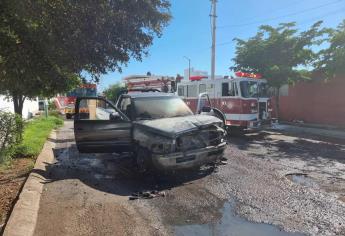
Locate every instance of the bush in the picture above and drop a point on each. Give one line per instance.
(55, 113)
(51, 105)
(11, 128)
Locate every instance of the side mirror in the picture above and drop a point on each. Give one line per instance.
(115, 116)
(206, 109)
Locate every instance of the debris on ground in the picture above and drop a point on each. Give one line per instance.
(147, 195)
(223, 162)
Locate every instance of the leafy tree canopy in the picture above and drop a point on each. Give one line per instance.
(113, 91)
(277, 53)
(332, 59)
(45, 45)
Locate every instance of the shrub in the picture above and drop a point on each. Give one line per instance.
(51, 105)
(55, 113)
(11, 128)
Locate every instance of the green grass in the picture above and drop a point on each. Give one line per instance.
(35, 134)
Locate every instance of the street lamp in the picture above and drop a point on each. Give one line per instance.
(188, 66)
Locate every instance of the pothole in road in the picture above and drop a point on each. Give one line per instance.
(302, 179)
(231, 224)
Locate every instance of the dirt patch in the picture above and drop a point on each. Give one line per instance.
(11, 182)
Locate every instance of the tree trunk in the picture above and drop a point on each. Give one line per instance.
(18, 102)
(277, 101)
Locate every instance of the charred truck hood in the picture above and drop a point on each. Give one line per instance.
(173, 127)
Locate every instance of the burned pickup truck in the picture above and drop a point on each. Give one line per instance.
(158, 128)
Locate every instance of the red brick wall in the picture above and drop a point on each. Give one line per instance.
(315, 102)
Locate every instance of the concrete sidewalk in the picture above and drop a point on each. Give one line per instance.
(325, 132)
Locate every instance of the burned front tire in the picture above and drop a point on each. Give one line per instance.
(143, 159)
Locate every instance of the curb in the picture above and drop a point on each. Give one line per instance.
(22, 220)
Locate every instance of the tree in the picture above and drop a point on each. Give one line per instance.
(113, 91)
(46, 45)
(277, 53)
(331, 60)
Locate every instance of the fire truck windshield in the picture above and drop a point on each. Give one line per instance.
(249, 89)
(253, 89)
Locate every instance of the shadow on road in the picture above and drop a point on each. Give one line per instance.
(285, 146)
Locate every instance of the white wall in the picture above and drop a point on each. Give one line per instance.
(194, 72)
(29, 108)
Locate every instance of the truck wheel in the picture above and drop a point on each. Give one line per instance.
(68, 116)
(143, 159)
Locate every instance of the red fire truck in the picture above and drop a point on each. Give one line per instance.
(161, 83)
(241, 102)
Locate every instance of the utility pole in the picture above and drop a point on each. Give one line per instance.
(213, 53)
(188, 66)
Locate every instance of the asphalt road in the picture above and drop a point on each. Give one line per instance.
(288, 185)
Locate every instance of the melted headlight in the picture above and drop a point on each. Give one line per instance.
(162, 148)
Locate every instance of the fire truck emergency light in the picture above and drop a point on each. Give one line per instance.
(248, 75)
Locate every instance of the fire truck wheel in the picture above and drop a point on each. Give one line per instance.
(68, 116)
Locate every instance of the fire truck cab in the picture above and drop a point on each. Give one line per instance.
(241, 102)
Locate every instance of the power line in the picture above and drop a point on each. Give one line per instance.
(273, 10)
(321, 17)
(283, 16)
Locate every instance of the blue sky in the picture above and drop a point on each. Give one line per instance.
(188, 33)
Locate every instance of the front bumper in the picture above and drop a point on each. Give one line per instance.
(188, 159)
(69, 110)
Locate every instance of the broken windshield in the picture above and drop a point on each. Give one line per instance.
(160, 107)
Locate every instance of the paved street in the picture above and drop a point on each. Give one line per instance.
(296, 184)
